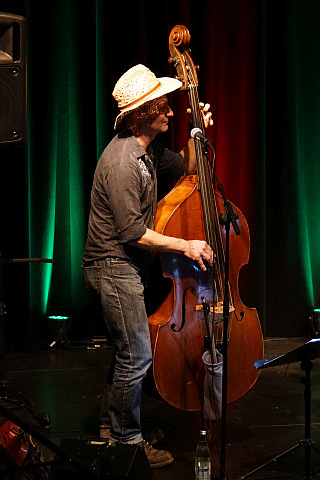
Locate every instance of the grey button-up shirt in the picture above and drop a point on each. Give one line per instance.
(123, 196)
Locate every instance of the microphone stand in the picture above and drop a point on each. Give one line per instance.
(8, 393)
(227, 218)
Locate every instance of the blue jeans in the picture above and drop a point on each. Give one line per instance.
(121, 292)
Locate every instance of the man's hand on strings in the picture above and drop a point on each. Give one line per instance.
(188, 152)
(199, 251)
(206, 114)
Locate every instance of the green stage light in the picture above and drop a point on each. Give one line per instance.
(57, 329)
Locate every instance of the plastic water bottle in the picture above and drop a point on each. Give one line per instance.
(203, 459)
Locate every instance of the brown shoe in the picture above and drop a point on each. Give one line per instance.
(156, 458)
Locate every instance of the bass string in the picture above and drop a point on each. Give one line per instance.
(213, 232)
(209, 206)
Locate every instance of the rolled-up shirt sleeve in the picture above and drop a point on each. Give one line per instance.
(123, 185)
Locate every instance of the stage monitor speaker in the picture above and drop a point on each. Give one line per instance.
(119, 462)
(13, 83)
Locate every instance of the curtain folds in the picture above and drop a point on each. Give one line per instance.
(259, 70)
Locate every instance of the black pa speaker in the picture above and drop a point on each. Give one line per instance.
(104, 462)
(13, 84)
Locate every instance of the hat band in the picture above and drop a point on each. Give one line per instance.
(138, 100)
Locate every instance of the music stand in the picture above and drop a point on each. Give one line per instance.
(304, 354)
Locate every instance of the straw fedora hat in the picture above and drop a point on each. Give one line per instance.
(139, 85)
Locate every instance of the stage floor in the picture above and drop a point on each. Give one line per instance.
(67, 384)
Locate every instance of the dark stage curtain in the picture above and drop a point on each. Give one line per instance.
(258, 70)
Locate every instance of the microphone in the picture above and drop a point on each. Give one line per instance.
(197, 133)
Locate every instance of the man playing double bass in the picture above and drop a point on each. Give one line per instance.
(121, 237)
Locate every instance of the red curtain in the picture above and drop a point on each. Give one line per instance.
(227, 42)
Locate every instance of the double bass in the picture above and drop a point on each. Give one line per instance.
(178, 327)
